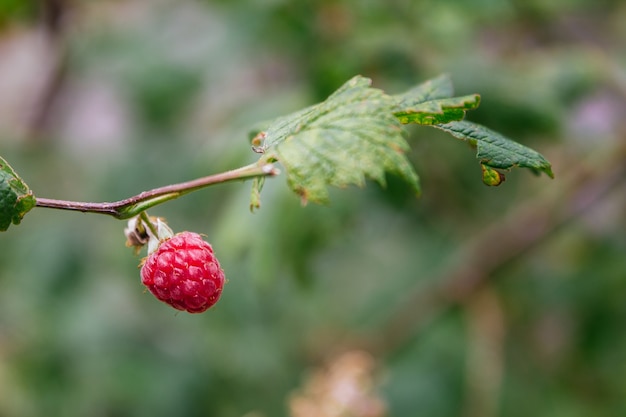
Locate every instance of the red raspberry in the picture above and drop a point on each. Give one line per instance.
(184, 273)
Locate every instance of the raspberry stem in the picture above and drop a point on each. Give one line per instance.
(146, 220)
(133, 206)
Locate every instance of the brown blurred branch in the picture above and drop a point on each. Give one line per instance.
(485, 354)
(522, 229)
(53, 15)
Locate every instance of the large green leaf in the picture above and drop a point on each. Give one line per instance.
(495, 150)
(351, 136)
(432, 103)
(16, 199)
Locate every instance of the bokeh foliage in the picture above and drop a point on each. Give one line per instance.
(133, 95)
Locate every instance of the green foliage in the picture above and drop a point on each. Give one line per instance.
(356, 133)
(431, 103)
(353, 135)
(12, 10)
(341, 141)
(497, 151)
(16, 199)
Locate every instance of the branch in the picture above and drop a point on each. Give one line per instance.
(133, 206)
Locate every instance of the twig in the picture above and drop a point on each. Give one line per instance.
(132, 206)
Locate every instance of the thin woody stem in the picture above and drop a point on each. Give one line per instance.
(133, 206)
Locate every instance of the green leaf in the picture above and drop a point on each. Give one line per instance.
(497, 151)
(433, 89)
(438, 111)
(16, 199)
(432, 103)
(351, 136)
(491, 177)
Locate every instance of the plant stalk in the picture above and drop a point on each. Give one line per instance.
(130, 207)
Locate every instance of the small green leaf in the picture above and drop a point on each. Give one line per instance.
(497, 151)
(432, 103)
(16, 199)
(350, 136)
(438, 111)
(433, 89)
(491, 177)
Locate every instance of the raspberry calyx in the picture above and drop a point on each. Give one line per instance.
(184, 273)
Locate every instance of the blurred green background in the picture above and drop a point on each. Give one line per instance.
(471, 301)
